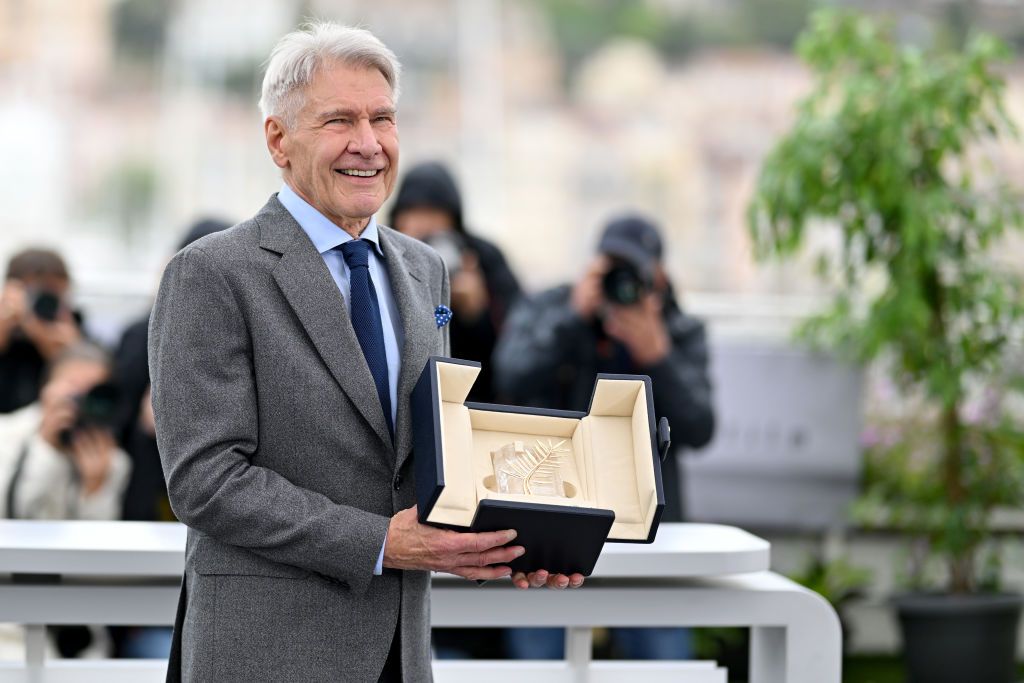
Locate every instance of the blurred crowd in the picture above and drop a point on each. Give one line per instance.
(77, 436)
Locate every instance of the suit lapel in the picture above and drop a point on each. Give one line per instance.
(417, 312)
(309, 289)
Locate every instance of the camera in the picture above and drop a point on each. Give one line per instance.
(625, 284)
(45, 306)
(96, 408)
(449, 246)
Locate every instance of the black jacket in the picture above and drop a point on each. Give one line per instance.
(548, 357)
(146, 496)
(22, 371)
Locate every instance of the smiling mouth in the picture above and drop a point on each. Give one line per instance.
(357, 173)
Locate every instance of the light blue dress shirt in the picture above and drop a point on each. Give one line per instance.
(326, 236)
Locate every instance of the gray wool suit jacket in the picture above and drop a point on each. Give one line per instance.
(278, 458)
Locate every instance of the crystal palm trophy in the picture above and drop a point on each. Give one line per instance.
(535, 470)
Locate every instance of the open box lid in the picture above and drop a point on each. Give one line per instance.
(612, 459)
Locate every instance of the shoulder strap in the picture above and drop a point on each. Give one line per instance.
(12, 486)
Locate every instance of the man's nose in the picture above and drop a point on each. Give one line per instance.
(364, 140)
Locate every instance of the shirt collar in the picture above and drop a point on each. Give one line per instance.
(324, 234)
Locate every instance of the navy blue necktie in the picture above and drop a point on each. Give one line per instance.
(366, 320)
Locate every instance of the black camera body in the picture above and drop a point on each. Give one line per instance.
(449, 245)
(45, 305)
(624, 284)
(95, 408)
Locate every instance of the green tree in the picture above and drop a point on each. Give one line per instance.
(883, 149)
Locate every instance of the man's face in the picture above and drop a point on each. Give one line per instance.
(341, 154)
(423, 222)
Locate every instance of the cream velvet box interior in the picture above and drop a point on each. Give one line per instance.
(607, 458)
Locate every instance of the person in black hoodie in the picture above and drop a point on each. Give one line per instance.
(428, 207)
(146, 498)
(483, 289)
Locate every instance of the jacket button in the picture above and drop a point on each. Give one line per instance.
(398, 482)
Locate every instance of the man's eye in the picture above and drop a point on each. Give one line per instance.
(384, 119)
(341, 121)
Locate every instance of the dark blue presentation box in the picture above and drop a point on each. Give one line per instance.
(566, 481)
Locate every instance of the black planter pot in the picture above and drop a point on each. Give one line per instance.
(959, 638)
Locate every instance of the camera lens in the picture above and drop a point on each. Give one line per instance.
(623, 285)
(45, 306)
(96, 408)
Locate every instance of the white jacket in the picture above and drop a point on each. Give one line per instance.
(47, 487)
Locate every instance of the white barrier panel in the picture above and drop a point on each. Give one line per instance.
(693, 575)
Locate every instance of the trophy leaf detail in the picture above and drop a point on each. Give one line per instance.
(539, 464)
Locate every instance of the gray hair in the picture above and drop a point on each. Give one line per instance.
(79, 352)
(297, 57)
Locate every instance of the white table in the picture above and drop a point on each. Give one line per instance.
(693, 575)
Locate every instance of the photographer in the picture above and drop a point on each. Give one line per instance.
(58, 458)
(483, 289)
(36, 323)
(620, 317)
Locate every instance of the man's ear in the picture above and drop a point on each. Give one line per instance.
(276, 134)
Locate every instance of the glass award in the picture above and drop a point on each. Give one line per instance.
(532, 470)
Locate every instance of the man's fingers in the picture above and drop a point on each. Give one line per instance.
(558, 581)
(542, 577)
(538, 578)
(481, 573)
(479, 542)
(493, 556)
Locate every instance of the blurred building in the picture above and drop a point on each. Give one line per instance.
(126, 119)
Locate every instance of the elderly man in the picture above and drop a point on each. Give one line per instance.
(283, 352)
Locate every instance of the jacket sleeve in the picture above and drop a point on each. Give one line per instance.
(682, 388)
(204, 397)
(540, 334)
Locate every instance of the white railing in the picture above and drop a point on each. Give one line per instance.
(693, 575)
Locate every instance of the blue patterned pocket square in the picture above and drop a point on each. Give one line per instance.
(442, 316)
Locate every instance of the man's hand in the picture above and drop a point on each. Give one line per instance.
(50, 338)
(411, 545)
(58, 414)
(92, 452)
(542, 578)
(641, 329)
(13, 309)
(469, 289)
(587, 296)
